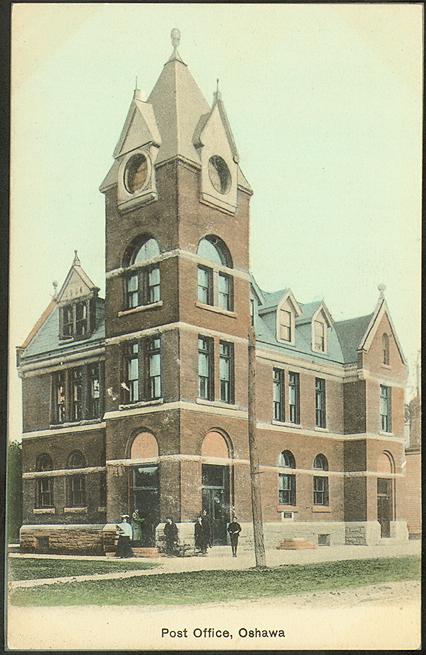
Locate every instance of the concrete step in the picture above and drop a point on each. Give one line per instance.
(14, 548)
(297, 543)
(145, 552)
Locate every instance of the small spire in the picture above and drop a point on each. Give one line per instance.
(175, 37)
(136, 84)
(76, 261)
(55, 289)
(381, 289)
(217, 94)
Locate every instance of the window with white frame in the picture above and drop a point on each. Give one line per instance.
(287, 481)
(142, 281)
(44, 486)
(215, 286)
(385, 408)
(320, 483)
(278, 394)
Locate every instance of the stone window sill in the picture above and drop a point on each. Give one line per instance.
(44, 510)
(318, 429)
(140, 308)
(388, 366)
(286, 424)
(321, 510)
(386, 434)
(75, 510)
(217, 310)
(72, 424)
(286, 508)
(215, 403)
(142, 403)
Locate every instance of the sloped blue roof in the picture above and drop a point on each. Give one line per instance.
(343, 337)
(46, 343)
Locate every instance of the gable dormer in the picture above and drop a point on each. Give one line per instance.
(321, 323)
(77, 304)
(215, 143)
(288, 310)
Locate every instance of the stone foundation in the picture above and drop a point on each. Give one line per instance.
(62, 539)
(367, 533)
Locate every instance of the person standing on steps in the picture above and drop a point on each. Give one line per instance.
(207, 527)
(124, 535)
(234, 529)
(137, 521)
(172, 536)
(200, 536)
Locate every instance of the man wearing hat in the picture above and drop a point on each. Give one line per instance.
(124, 536)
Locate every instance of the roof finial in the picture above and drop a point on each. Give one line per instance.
(55, 289)
(217, 94)
(382, 288)
(175, 37)
(76, 261)
(136, 83)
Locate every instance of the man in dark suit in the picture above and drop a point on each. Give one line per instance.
(234, 529)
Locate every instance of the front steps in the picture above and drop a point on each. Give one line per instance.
(151, 553)
(297, 543)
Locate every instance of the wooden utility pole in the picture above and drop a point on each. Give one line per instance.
(256, 496)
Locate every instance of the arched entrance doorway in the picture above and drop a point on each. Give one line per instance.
(385, 467)
(145, 486)
(216, 484)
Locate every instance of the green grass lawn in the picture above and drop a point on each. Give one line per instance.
(32, 569)
(222, 586)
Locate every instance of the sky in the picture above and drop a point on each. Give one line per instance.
(325, 103)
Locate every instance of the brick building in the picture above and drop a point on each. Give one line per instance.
(141, 400)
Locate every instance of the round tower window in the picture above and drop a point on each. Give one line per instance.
(219, 174)
(136, 173)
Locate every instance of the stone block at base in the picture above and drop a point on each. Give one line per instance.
(62, 539)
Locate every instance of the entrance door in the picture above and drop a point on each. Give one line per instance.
(384, 505)
(216, 500)
(146, 498)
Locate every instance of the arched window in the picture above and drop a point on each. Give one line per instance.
(143, 284)
(320, 483)
(385, 463)
(44, 486)
(385, 346)
(215, 287)
(287, 481)
(215, 445)
(144, 446)
(321, 463)
(76, 484)
(215, 250)
(286, 460)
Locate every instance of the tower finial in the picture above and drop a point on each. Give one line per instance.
(175, 37)
(76, 261)
(381, 289)
(217, 94)
(136, 83)
(55, 289)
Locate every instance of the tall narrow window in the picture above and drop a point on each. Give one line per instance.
(154, 368)
(225, 296)
(132, 291)
(59, 397)
(205, 368)
(68, 321)
(153, 292)
(226, 370)
(320, 483)
(131, 364)
(278, 394)
(77, 394)
(319, 335)
(76, 487)
(287, 481)
(285, 325)
(385, 344)
(93, 395)
(320, 413)
(44, 488)
(294, 397)
(81, 327)
(205, 285)
(385, 409)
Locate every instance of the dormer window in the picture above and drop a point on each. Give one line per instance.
(287, 311)
(285, 325)
(321, 322)
(319, 336)
(77, 319)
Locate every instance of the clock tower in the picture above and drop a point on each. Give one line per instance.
(177, 308)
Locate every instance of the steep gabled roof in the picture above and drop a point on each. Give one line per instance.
(350, 333)
(39, 323)
(379, 312)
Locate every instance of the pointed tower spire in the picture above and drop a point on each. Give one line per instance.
(175, 37)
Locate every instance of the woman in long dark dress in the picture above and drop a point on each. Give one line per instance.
(200, 536)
